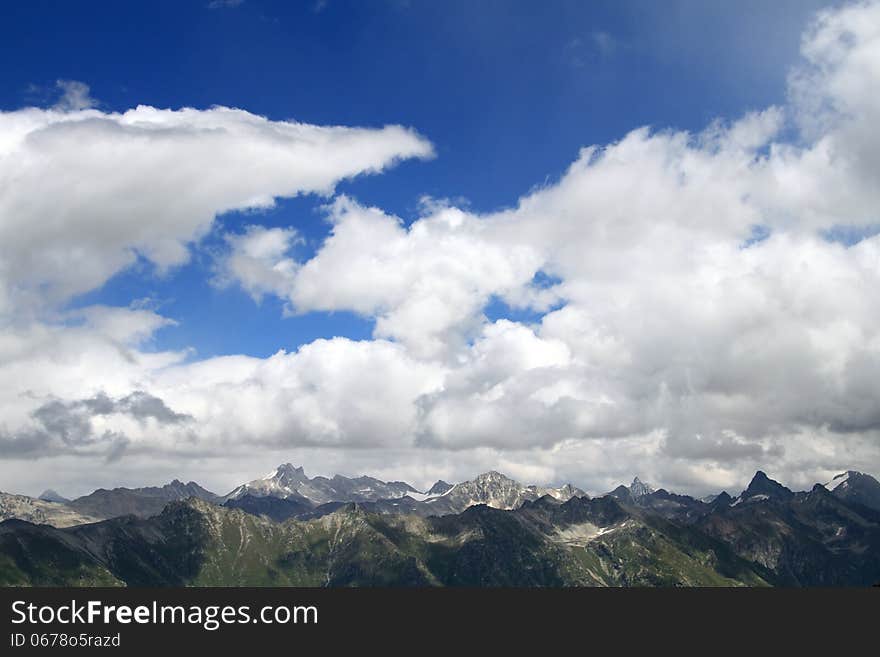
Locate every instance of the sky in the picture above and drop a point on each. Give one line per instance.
(568, 241)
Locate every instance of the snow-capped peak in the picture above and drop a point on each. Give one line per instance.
(840, 480)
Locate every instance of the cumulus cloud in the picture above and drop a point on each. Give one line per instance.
(83, 388)
(86, 193)
(330, 393)
(83, 423)
(57, 416)
(426, 285)
(258, 260)
(694, 317)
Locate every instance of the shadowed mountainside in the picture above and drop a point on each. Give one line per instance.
(580, 542)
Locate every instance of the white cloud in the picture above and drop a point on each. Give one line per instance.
(329, 393)
(86, 192)
(426, 285)
(258, 260)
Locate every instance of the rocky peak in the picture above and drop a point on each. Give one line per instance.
(287, 476)
(50, 495)
(621, 493)
(856, 487)
(567, 492)
(288, 470)
(762, 485)
(638, 489)
(439, 488)
(493, 476)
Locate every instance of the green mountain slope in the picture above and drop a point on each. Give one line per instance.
(579, 543)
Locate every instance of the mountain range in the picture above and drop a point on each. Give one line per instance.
(289, 529)
(146, 501)
(284, 493)
(580, 542)
(289, 482)
(275, 497)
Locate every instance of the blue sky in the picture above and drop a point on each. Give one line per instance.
(507, 92)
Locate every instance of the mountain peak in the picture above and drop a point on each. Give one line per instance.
(50, 495)
(493, 478)
(722, 499)
(491, 488)
(187, 489)
(856, 486)
(439, 488)
(621, 493)
(491, 475)
(490, 481)
(288, 481)
(287, 469)
(287, 475)
(843, 479)
(765, 487)
(639, 489)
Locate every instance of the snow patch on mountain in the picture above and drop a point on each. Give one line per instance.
(839, 480)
